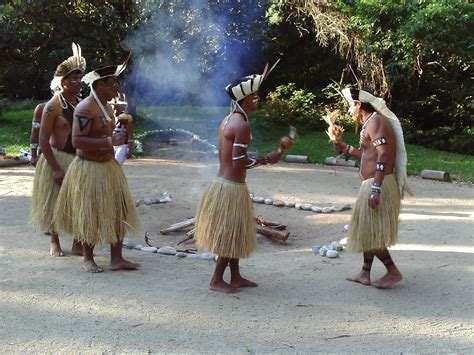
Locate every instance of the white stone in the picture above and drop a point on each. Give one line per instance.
(332, 254)
(181, 254)
(138, 246)
(316, 249)
(167, 250)
(298, 205)
(278, 203)
(343, 241)
(258, 199)
(149, 249)
(290, 203)
(346, 228)
(208, 256)
(322, 251)
(306, 206)
(268, 201)
(316, 209)
(337, 208)
(337, 246)
(326, 209)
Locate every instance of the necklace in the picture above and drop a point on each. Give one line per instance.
(102, 108)
(364, 126)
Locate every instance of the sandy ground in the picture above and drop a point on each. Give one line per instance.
(302, 304)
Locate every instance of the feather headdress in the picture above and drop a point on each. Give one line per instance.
(73, 63)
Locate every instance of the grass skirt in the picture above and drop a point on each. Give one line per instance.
(225, 222)
(377, 228)
(95, 204)
(45, 190)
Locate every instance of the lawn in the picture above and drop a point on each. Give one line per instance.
(15, 127)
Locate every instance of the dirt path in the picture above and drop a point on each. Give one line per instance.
(302, 303)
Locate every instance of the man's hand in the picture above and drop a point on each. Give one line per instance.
(340, 146)
(274, 157)
(58, 176)
(34, 160)
(374, 199)
(118, 137)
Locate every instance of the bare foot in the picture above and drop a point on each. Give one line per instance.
(241, 282)
(387, 280)
(362, 277)
(123, 264)
(76, 248)
(92, 267)
(223, 287)
(55, 250)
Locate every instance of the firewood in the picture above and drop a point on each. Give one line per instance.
(178, 226)
(272, 233)
(273, 225)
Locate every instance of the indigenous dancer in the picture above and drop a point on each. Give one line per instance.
(56, 145)
(374, 221)
(95, 204)
(35, 129)
(225, 222)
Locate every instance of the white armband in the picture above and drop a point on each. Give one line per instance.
(35, 124)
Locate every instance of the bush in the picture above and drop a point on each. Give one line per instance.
(288, 104)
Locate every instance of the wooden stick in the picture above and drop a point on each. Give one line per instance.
(339, 162)
(178, 226)
(272, 233)
(272, 225)
(296, 158)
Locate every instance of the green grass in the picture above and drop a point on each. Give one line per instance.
(15, 128)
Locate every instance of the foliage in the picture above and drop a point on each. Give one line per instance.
(290, 105)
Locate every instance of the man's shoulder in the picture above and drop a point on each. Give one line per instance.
(85, 108)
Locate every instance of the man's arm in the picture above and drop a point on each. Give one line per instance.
(48, 120)
(240, 146)
(378, 134)
(35, 130)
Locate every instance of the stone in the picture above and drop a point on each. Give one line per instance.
(139, 202)
(290, 203)
(346, 228)
(278, 203)
(268, 201)
(316, 209)
(306, 206)
(298, 205)
(327, 209)
(343, 241)
(167, 250)
(337, 208)
(332, 254)
(258, 199)
(208, 256)
(149, 249)
(138, 247)
(322, 251)
(337, 246)
(181, 254)
(315, 249)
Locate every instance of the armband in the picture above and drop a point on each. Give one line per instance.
(379, 141)
(379, 166)
(241, 145)
(349, 149)
(253, 164)
(239, 157)
(109, 140)
(34, 145)
(376, 189)
(35, 125)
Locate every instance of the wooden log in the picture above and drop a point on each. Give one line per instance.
(9, 161)
(272, 233)
(339, 162)
(436, 175)
(191, 233)
(178, 226)
(296, 158)
(273, 225)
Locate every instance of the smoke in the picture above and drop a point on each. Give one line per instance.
(186, 51)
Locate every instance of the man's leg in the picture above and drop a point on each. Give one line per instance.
(55, 248)
(77, 247)
(89, 263)
(392, 276)
(363, 276)
(236, 279)
(117, 262)
(217, 281)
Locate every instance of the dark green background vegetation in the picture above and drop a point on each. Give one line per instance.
(415, 54)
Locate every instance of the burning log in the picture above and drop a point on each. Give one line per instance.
(178, 226)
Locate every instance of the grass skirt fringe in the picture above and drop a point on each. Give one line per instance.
(225, 222)
(95, 204)
(45, 190)
(377, 228)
